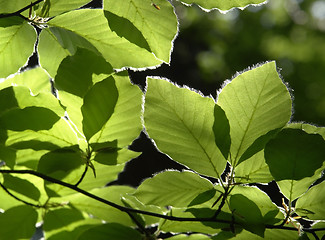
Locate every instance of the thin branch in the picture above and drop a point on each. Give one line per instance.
(131, 210)
(17, 198)
(18, 13)
(82, 176)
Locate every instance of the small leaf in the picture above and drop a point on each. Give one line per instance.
(111, 231)
(98, 107)
(180, 122)
(294, 154)
(167, 188)
(312, 203)
(15, 36)
(23, 216)
(255, 102)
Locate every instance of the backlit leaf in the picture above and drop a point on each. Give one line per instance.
(180, 122)
(222, 5)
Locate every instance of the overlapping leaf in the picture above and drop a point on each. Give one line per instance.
(15, 35)
(255, 102)
(158, 25)
(223, 5)
(180, 122)
(167, 188)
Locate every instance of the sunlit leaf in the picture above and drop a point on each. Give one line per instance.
(23, 216)
(12, 6)
(180, 122)
(15, 34)
(157, 25)
(312, 203)
(167, 188)
(255, 102)
(98, 107)
(92, 26)
(222, 5)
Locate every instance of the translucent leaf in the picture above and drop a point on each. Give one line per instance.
(320, 234)
(125, 123)
(101, 210)
(51, 8)
(222, 5)
(66, 224)
(111, 231)
(14, 35)
(12, 6)
(294, 154)
(312, 203)
(308, 128)
(253, 170)
(23, 216)
(255, 102)
(167, 188)
(157, 25)
(269, 234)
(98, 107)
(190, 237)
(91, 25)
(60, 135)
(180, 122)
(36, 79)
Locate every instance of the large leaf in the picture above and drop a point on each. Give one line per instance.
(255, 102)
(294, 154)
(111, 231)
(92, 26)
(180, 122)
(12, 6)
(98, 107)
(312, 203)
(15, 36)
(24, 217)
(222, 5)
(158, 26)
(174, 188)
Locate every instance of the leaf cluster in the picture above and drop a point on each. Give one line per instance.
(65, 128)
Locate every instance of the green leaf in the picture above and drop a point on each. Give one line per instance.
(91, 25)
(7, 155)
(125, 123)
(35, 118)
(190, 237)
(255, 102)
(12, 6)
(312, 203)
(111, 231)
(98, 107)
(66, 224)
(221, 131)
(158, 27)
(51, 8)
(247, 213)
(294, 154)
(180, 122)
(15, 36)
(101, 210)
(222, 5)
(174, 188)
(21, 186)
(36, 79)
(23, 216)
(269, 234)
(253, 170)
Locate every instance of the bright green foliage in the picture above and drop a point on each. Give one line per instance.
(223, 4)
(66, 127)
(15, 34)
(180, 122)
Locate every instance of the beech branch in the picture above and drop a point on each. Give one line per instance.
(132, 210)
